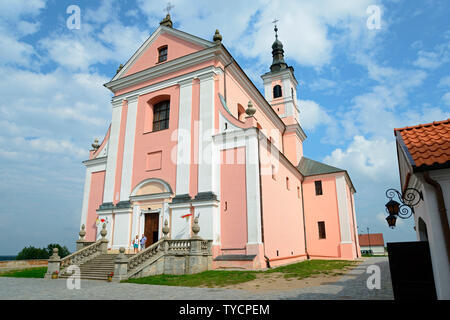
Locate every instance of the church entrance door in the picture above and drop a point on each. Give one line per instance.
(151, 228)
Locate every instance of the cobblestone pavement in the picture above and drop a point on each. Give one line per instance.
(350, 286)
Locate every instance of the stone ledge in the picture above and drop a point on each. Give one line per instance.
(235, 257)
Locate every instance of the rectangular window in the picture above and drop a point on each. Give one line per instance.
(287, 183)
(322, 234)
(318, 187)
(161, 116)
(298, 192)
(162, 54)
(273, 173)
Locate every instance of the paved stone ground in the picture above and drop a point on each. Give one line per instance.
(350, 286)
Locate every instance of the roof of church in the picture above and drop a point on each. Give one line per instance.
(308, 167)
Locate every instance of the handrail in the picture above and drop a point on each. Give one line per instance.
(78, 256)
(141, 257)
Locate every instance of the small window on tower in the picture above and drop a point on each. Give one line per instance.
(277, 91)
(162, 54)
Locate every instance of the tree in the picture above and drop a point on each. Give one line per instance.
(32, 253)
(62, 251)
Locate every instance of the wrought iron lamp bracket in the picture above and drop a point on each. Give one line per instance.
(410, 198)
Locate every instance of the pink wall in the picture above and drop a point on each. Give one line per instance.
(95, 200)
(233, 200)
(164, 141)
(322, 208)
(176, 49)
(282, 214)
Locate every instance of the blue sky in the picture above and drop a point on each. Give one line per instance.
(356, 85)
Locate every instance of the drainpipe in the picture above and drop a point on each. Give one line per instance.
(304, 225)
(442, 210)
(261, 207)
(225, 79)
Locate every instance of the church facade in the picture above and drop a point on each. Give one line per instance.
(192, 136)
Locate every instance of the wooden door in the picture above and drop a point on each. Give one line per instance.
(151, 228)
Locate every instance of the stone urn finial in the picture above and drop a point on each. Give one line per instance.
(103, 233)
(82, 232)
(165, 229)
(195, 229)
(217, 38)
(250, 109)
(55, 256)
(95, 145)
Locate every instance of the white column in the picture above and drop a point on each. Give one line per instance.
(253, 190)
(343, 209)
(111, 164)
(205, 168)
(128, 151)
(184, 138)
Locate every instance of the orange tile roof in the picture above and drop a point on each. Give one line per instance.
(376, 239)
(427, 144)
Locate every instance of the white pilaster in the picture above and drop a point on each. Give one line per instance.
(209, 219)
(128, 151)
(110, 176)
(180, 227)
(206, 126)
(184, 138)
(253, 189)
(344, 215)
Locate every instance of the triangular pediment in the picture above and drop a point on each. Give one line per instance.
(179, 44)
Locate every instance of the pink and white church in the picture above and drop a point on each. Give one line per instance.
(192, 136)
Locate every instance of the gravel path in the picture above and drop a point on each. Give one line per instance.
(350, 286)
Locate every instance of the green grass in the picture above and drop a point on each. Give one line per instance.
(207, 278)
(219, 278)
(38, 272)
(308, 268)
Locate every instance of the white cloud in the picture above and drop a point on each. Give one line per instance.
(446, 98)
(444, 82)
(368, 159)
(312, 115)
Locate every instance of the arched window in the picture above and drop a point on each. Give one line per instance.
(277, 91)
(162, 54)
(161, 115)
(241, 112)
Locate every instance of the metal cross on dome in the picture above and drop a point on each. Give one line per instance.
(169, 7)
(276, 29)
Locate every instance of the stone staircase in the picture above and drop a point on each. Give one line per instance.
(97, 268)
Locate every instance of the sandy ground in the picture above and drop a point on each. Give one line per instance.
(277, 282)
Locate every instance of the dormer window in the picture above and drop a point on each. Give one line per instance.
(277, 91)
(162, 54)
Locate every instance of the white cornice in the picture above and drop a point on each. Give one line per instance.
(297, 129)
(94, 162)
(209, 71)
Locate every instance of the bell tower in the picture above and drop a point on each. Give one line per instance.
(280, 90)
(280, 85)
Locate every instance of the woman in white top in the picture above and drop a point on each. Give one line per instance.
(136, 244)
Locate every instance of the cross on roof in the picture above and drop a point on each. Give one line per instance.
(169, 7)
(276, 29)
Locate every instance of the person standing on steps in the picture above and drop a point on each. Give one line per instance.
(136, 244)
(143, 241)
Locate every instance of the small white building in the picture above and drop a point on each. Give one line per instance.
(423, 153)
(372, 242)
